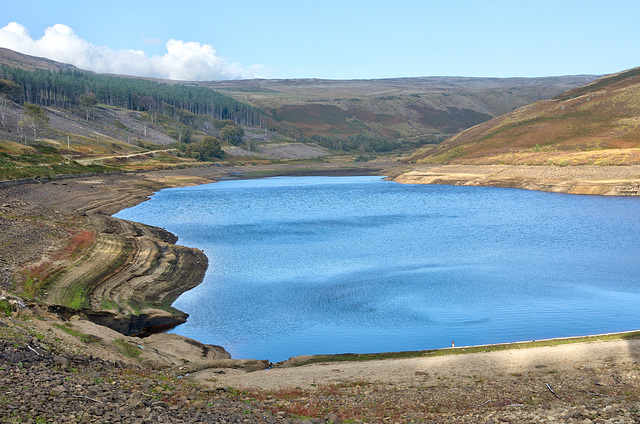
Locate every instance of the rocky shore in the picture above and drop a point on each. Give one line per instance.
(43, 383)
(49, 379)
(74, 345)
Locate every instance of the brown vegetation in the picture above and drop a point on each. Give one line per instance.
(596, 124)
(393, 108)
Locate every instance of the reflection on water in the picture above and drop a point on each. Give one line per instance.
(310, 265)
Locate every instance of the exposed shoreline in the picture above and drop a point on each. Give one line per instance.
(158, 270)
(577, 382)
(587, 179)
(127, 281)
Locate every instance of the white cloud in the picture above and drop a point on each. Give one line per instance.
(190, 61)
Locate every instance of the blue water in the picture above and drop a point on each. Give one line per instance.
(317, 265)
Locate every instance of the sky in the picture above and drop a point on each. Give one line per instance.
(329, 39)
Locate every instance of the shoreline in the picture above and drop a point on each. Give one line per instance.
(133, 272)
(581, 180)
(156, 313)
(582, 382)
(362, 356)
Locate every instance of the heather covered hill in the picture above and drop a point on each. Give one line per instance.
(31, 63)
(361, 118)
(598, 123)
(422, 110)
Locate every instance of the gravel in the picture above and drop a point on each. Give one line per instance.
(38, 384)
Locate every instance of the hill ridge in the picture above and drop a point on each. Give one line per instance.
(598, 123)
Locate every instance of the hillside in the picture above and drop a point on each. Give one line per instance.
(422, 110)
(32, 63)
(57, 119)
(598, 123)
(76, 284)
(270, 120)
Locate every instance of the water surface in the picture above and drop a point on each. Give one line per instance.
(314, 265)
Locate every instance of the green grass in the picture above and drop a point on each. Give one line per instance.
(78, 300)
(84, 338)
(355, 357)
(33, 166)
(5, 308)
(127, 349)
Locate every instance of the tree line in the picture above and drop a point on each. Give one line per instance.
(64, 89)
(364, 143)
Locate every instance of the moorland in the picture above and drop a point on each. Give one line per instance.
(79, 287)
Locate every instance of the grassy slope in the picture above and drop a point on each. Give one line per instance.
(413, 110)
(394, 108)
(595, 124)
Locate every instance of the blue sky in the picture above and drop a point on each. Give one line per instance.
(195, 39)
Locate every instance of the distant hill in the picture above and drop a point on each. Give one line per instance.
(362, 118)
(430, 108)
(597, 123)
(32, 63)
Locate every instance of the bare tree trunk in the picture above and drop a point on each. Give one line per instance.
(3, 117)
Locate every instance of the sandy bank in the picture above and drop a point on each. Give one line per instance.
(499, 366)
(599, 180)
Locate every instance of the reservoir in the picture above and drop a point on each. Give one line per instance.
(322, 265)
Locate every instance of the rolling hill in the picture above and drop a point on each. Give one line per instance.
(427, 108)
(359, 118)
(598, 123)
(31, 63)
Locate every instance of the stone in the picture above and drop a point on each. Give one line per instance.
(57, 391)
(199, 404)
(332, 418)
(135, 401)
(61, 360)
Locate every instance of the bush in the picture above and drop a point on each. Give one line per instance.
(6, 308)
(208, 149)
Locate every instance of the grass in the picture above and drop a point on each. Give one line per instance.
(16, 169)
(127, 349)
(355, 357)
(84, 338)
(5, 308)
